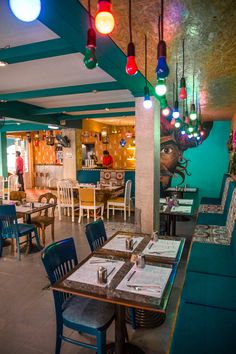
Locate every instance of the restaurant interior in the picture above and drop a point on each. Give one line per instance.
(117, 176)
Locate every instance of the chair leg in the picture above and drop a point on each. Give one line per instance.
(80, 214)
(101, 342)
(132, 315)
(124, 214)
(87, 214)
(59, 212)
(95, 215)
(43, 235)
(58, 338)
(107, 211)
(73, 214)
(53, 234)
(129, 210)
(18, 248)
(113, 210)
(102, 211)
(37, 238)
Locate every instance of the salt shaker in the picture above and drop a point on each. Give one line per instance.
(129, 244)
(102, 275)
(140, 260)
(154, 236)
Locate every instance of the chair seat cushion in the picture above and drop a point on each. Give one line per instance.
(43, 220)
(212, 259)
(211, 219)
(212, 201)
(204, 330)
(119, 200)
(79, 311)
(25, 229)
(210, 290)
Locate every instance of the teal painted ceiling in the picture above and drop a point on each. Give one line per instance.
(46, 81)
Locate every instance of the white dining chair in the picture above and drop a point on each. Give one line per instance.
(66, 200)
(2, 193)
(87, 201)
(121, 203)
(13, 185)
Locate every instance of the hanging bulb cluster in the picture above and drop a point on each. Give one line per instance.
(131, 66)
(104, 20)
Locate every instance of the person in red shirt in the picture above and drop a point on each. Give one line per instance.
(20, 170)
(107, 160)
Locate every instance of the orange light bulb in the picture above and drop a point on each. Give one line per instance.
(104, 20)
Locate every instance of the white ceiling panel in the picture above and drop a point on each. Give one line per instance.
(82, 99)
(106, 111)
(64, 70)
(14, 32)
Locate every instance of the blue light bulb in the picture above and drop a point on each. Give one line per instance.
(162, 69)
(25, 10)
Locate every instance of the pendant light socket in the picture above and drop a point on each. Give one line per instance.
(161, 49)
(91, 38)
(131, 50)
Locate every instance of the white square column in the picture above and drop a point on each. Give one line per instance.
(147, 176)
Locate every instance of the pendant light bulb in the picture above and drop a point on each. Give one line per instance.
(178, 123)
(193, 114)
(161, 88)
(183, 91)
(147, 102)
(104, 20)
(90, 60)
(25, 10)
(166, 112)
(131, 66)
(162, 69)
(175, 113)
(190, 129)
(183, 131)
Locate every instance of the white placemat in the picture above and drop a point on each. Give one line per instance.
(180, 201)
(150, 280)
(181, 209)
(162, 248)
(118, 243)
(87, 273)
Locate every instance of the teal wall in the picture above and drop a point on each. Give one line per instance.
(3, 154)
(208, 162)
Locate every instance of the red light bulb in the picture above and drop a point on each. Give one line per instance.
(202, 132)
(104, 20)
(166, 111)
(172, 121)
(183, 93)
(131, 66)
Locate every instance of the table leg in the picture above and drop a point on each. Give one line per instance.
(168, 224)
(173, 225)
(121, 347)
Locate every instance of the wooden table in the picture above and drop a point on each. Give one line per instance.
(123, 299)
(173, 212)
(26, 211)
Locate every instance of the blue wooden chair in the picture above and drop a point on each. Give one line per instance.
(75, 312)
(10, 228)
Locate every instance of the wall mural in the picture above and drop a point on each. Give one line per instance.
(173, 145)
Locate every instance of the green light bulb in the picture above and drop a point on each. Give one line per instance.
(90, 60)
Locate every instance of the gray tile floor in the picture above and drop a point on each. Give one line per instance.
(27, 321)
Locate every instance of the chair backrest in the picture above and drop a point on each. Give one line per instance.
(96, 234)
(65, 193)
(128, 186)
(2, 187)
(13, 184)
(8, 221)
(87, 197)
(48, 198)
(17, 195)
(58, 259)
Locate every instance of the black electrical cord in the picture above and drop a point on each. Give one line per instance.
(162, 19)
(145, 57)
(193, 87)
(130, 22)
(89, 11)
(183, 56)
(176, 81)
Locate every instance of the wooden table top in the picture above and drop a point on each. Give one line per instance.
(109, 293)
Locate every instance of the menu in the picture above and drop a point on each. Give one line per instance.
(150, 281)
(162, 248)
(87, 273)
(118, 243)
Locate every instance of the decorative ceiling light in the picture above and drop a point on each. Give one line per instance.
(147, 102)
(128, 135)
(178, 123)
(162, 69)
(131, 66)
(122, 142)
(160, 88)
(26, 10)
(3, 63)
(175, 113)
(54, 127)
(183, 91)
(193, 113)
(90, 60)
(104, 20)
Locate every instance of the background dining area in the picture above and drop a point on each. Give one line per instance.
(117, 177)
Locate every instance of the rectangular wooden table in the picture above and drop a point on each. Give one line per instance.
(136, 297)
(185, 207)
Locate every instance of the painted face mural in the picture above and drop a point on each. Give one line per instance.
(173, 144)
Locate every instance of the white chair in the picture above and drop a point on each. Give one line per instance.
(13, 185)
(121, 203)
(87, 201)
(65, 199)
(2, 187)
